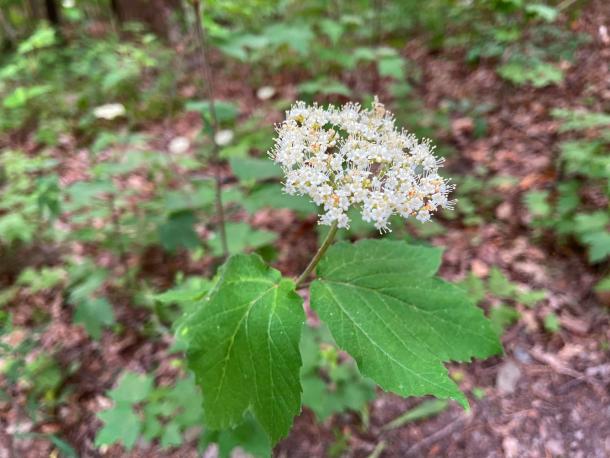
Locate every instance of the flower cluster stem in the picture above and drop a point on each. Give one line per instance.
(330, 237)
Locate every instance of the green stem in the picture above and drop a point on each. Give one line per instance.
(209, 86)
(321, 251)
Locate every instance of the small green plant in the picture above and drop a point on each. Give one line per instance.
(569, 209)
(36, 374)
(143, 410)
(55, 89)
(522, 70)
(330, 383)
(29, 201)
(500, 290)
(380, 299)
(92, 310)
(43, 279)
(552, 323)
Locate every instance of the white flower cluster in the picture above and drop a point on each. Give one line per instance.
(350, 156)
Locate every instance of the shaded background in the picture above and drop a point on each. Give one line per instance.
(107, 227)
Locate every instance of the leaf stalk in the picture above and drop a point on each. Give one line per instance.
(330, 237)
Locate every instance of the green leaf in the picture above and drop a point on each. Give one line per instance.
(585, 157)
(568, 199)
(253, 169)
(171, 435)
(474, 286)
(243, 346)
(499, 285)
(241, 236)
(187, 397)
(603, 285)
(297, 36)
(22, 95)
(531, 298)
(586, 223)
(193, 289)
(248, 436)
(226, 112)
(544, 12)
(426, 409)
(478, 393)
(393, 66)
(538, 203)
(42, 37)
(384, 306)
(502, 316)
(132, 388)
(65, 449)
(599, 245)
(271, 195)
(151, 427)
(14, 227)
(324, 86)
(581, 119)
(85, 279)
(552, 323)
(178, 231)
(332, 29)
(529, 70)
(176, 201)
(94, 314)
(39, 280)
(82, 193)
(121, 425)
(341, 388)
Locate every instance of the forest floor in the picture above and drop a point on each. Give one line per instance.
(548, 396)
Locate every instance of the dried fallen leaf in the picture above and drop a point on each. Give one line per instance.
(576, 325)
(479, 268)
(504, 211)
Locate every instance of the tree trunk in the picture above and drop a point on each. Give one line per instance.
(116, 10)
(9, 32)
(52, 12)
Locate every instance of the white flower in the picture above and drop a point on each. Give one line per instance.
(179, 145)
(348, 156)
(223, 137)
(109, 111)
(265, 92)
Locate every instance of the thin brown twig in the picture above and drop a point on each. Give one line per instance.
(565, 4)
(208, 77)
(120, 243)
(561, 368)
(447, 430)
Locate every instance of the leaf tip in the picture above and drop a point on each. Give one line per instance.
(462, 400)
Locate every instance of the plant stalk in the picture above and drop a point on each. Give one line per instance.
(121, 248)
(208, 77)
(9, 32)
(330, 237)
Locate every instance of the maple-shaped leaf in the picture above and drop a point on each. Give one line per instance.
(385, 307)
(243, 346)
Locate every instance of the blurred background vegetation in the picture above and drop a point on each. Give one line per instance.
(108, 233)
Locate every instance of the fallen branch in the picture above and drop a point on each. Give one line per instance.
(449, 429)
